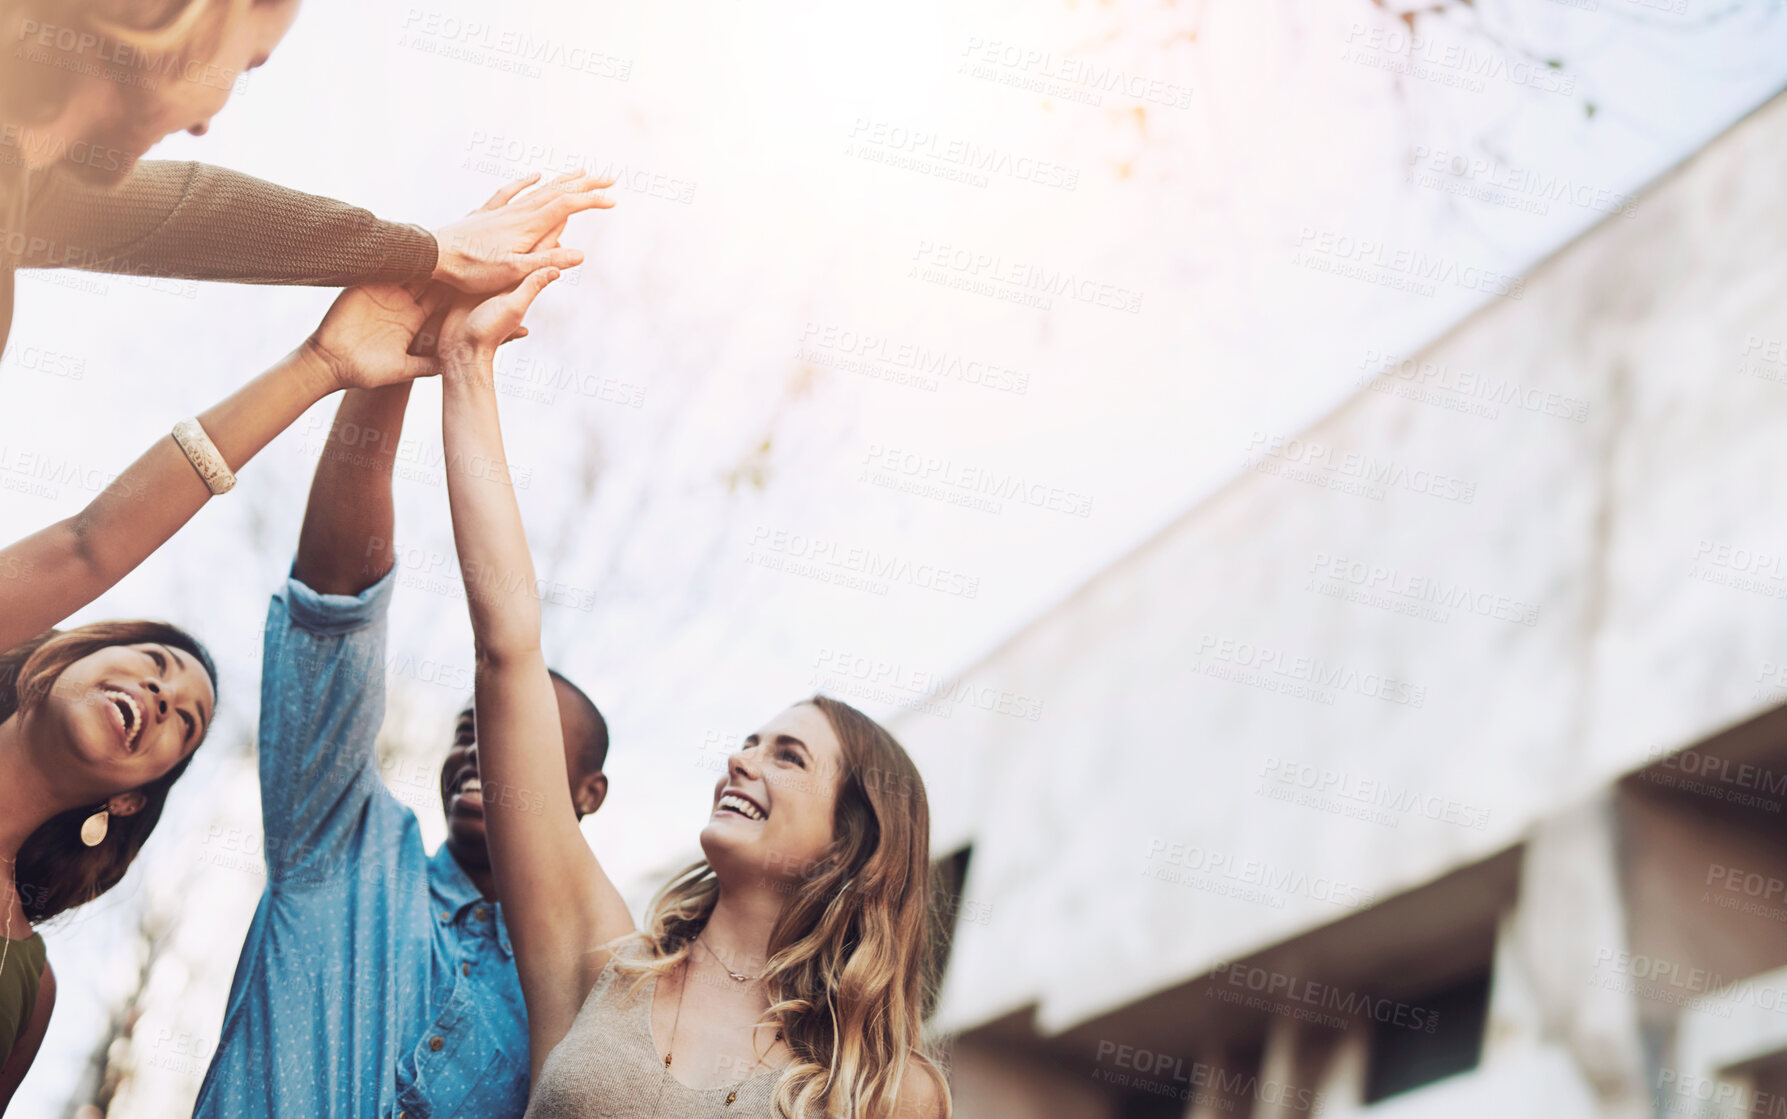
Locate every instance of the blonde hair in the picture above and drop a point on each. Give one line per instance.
(850, 958)
(148, 27)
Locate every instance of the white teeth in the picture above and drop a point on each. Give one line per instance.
(733, 800)
(133, 723)
(471, 785)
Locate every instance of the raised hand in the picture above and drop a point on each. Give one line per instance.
(495, 246)
(475, 328)
(363, 341)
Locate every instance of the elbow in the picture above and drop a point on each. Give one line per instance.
(83, 546)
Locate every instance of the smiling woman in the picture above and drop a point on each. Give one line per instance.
(96, 725)
(797, 951)
(111, 714)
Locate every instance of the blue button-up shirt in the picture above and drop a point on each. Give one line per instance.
(375, 980)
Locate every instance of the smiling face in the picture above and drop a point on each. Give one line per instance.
(462, 789)
(123, 716)
(773, 811)
(124, 104)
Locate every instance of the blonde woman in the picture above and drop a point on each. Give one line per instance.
(89, 86)
(784, 974)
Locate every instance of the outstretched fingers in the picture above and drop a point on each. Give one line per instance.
(503, 195)
(550, 258)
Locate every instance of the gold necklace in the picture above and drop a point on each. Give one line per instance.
(735, 975)
(676, 1020)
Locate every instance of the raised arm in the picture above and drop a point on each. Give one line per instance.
(57, 570)
(323, 669)
(198, 222)
(345, 544)
(557, 902)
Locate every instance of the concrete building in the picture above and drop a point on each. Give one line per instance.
(1435, 765)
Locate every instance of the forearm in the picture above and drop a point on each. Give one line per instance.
(194, 221)
(345, 544)
(487, 530)
(72, 562)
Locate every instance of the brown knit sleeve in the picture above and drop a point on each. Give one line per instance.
(197, 222)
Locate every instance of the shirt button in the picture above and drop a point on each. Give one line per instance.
(465, 969)
(480, 913)
(435, 1043)
(445, 917)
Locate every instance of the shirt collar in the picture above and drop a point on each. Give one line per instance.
(454, 893)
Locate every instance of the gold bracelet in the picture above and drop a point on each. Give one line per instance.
(202, 453)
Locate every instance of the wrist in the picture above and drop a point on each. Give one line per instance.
(317, 368)
(468, 368)
(449, 261)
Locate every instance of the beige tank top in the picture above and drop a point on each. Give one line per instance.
(609, 1066)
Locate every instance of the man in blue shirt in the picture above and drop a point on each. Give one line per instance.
(376, 980)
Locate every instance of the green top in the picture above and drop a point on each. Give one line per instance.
(19, 976)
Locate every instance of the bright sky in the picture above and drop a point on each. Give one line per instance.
(1128, 238)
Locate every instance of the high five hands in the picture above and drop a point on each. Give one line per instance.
(381, 334)
(495, 246)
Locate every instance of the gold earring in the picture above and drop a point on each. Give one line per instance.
(93, 828)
